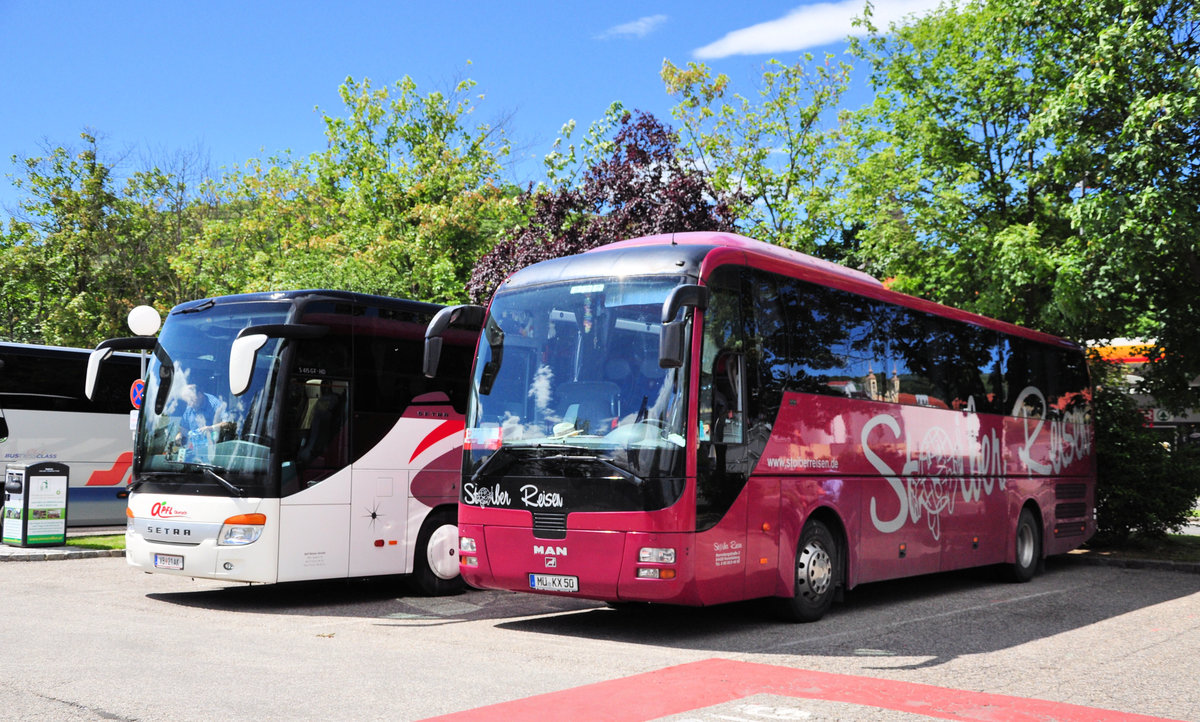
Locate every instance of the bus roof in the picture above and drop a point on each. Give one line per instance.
(684, 254)
(349, 296)
(710, 239)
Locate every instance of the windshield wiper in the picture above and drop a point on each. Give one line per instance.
(488, 462)
(211, 471)
(610, 463)
(202, 307)
(146, 476)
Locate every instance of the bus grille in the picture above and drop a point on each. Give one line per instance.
(1070, 491)
(1073, 510)
(549, 525)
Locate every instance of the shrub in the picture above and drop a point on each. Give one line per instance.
(1142, 487)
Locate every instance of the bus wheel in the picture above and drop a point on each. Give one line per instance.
(435, 561)
(816, 576)
(1028, 548)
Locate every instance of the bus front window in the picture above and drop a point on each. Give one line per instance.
(190, 421)
(576, 365)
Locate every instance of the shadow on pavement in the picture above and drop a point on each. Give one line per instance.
(936, 618)
(386, 598)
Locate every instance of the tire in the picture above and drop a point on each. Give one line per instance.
(1028, 548)
(817, 575)
(435, 560)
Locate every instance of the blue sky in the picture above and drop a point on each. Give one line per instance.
(238, 80)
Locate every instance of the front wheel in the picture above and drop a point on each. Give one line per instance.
(817, 574)
(435, 562)
(1028, 548)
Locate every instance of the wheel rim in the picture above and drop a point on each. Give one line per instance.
(442, 552)
(1025, 544)
(814, 571)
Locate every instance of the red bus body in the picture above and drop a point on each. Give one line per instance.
(906, 483)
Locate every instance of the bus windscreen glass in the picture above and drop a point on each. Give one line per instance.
(192, 432)
(567, 376)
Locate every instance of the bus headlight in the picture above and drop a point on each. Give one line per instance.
(466, 544)
(653, 555)
(241, 529)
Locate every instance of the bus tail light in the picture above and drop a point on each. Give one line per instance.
(241, 529)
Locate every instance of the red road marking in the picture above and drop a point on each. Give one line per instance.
(694, 686)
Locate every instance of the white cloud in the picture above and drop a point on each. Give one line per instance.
(810, 26)
(639, 28)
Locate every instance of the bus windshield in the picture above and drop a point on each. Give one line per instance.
(573, 367)
(192, 432)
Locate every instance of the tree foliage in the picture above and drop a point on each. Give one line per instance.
(83, 253)
(640, 188)
(1124, 124)
(1142, 487)
(401, 202)
(1037, 162)
(774, 154)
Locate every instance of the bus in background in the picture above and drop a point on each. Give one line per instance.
(1173, 429)
(48, 418)
(292, 436)
(701, 418)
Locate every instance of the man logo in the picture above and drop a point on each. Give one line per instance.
(557, 551)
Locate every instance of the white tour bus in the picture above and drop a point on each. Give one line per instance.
(44, 416)
(292, 436)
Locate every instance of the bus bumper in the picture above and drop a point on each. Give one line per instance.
(603, 565)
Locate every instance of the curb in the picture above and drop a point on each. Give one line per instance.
(27, 554)
(1127, 563)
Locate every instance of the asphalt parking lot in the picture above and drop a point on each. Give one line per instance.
(91, 639)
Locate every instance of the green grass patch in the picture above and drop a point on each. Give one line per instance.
(1172, 547)
(107, 541)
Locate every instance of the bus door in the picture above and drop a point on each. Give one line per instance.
(721, 464)
(388, 377)
(315, 478)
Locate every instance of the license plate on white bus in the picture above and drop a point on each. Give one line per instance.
(553, 583)
(168, 561)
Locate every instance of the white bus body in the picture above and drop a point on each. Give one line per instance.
(49, 419)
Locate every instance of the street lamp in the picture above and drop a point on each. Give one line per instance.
(144, 321)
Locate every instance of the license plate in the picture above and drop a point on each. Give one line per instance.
(553, 583)
(168, 561)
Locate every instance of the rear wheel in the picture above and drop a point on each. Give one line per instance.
(817, 574)
(1028, 548)
(435, 563)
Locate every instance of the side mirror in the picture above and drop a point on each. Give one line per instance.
(466, 315)
(3, 429)
(670, 342)
(105, 349)
(250, 339)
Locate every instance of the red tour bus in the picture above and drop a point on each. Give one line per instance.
(701, 418)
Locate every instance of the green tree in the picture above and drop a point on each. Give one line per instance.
(776, 155)
(947, 186)
(83, 253)
(1123, 124)
(403, 200)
